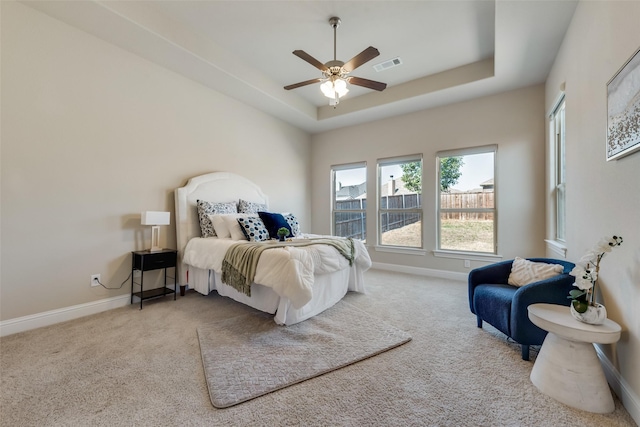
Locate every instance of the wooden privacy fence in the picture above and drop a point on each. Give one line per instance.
(352, 224)
(480, 200)
(391, 221)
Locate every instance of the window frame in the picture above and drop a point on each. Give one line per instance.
(466, 254)
(389, 161)
(334, 211)
(558, 132)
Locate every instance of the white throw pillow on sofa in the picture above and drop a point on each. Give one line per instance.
(524, 271)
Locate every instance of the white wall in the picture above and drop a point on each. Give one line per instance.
(603, 198)
(91, 136)
(512, 120)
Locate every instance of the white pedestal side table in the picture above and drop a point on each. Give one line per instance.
(567, 367)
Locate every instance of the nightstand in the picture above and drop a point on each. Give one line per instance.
(146, 260)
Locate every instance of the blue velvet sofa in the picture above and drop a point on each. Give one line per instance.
(504, 306)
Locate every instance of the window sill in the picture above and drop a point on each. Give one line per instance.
(472, 256)
(400, 250)
(557, 248)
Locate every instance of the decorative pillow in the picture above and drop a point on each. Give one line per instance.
(250, 207)
(293, 224)
(235, 230)
(253, 229)
(274, 221)
(208, 208)
(220, 225)
(524, 271)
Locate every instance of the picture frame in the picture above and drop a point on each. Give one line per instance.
(623, 110)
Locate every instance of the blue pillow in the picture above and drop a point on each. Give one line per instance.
(274, 221)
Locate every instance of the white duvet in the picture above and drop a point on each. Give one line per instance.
(289, 271)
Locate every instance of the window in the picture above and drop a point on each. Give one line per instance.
(466, 200)
(400, 202)
(558, 132)
(349, 189)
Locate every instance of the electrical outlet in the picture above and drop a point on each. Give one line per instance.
(95, 280)
(467, 263)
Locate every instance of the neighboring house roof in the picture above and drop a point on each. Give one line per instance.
(487, 183)
(349, 192)
(399, 188)
(359, 191)
(486, 186)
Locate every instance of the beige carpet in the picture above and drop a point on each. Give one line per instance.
(248, 356)
(131, 367)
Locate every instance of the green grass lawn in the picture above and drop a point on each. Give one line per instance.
(467, 235)
(459, 235)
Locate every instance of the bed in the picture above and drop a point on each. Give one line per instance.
(325, 276)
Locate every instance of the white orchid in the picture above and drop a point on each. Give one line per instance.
(606, 244)
(586, 273)
(591, 257)
(584, 278)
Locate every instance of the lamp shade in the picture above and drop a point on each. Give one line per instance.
(155, 218)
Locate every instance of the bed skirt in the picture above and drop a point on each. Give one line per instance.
(328, 289)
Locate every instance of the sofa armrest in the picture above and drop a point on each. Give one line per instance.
(554, 290)
(497, 273)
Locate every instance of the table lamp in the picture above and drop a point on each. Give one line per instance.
(155, 219)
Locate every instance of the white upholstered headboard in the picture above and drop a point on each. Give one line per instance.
(213, 187)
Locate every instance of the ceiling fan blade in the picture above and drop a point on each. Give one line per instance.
(308, 82)
(365, 56)
(370, 84)
(310, 59)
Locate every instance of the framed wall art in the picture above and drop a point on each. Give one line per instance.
(623, 110)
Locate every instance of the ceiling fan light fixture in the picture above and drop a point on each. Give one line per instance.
(333, 88)
(340, 86)
(327, 89)
(336, 73)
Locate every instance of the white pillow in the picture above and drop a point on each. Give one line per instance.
(524, 271)
(231, 221)
(221, 226)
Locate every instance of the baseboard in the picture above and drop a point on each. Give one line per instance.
(621, 388)
(420, 271)
(38, 320)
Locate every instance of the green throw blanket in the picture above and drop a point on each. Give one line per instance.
(241, 259)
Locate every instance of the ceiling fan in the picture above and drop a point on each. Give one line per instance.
(336, 73)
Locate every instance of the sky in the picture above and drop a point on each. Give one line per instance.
(477, 168)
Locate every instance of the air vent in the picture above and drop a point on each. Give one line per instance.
(387, 64)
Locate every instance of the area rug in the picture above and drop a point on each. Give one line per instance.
(248, 356)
